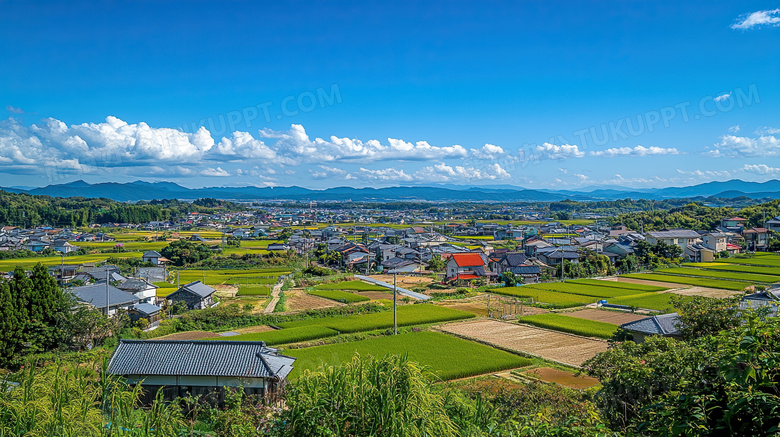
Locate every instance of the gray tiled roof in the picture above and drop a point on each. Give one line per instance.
(675, 233)
(146, 308)
(151, 254)
(136, 285)
(95, 295)
(198, 288)
(666, 324)
(238, 359)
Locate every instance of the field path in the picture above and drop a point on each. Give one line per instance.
(275, 298)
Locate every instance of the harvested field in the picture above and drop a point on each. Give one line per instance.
(254, 329)
(189, 335)
(297, 300)
(376, 295)
(561, 377)
(407, 282)
(613, 317)
(706, 292)
(551, 345)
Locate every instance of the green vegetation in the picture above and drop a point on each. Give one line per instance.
(408, 315)
(699, 282)
(747, 277)
(768, 261)
(182, 252)
(549, 299)
(582, 289)
(652, 301)
(341, 296)
(283, 336)
(720, 266)
(572, 325)
(446, 356)
(253, 290)
(350, 285)
(616, 284)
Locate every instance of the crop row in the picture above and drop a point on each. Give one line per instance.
(700, 282)
(253, 290)
(747, 277)
(760, 270)
(572, 325)
(283, 336)
(653, 301)
(340, 296)
(350, 285)
(582, 289)
(616, 284)
(445, 356)
(408, 315)
(551, 298)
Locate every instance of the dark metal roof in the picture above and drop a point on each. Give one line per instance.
(238, 359)
(666, 324)
(136, 285)
(146, 308)
(151, 254)
(95, 295)
(675, 233)
(197, 288)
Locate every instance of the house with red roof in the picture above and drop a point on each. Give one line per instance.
(466, 266)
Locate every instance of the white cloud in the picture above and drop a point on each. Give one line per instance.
(327, 172)
(14, 110)
(216, 172)
(439, 172)
(761, 169)
(722, 97)
(243, 145)
(488, 151)
(734, 129)
(554, 151)
(581, 177)
(764, 145)
(636, 151)
(706, 173)
(770, 17)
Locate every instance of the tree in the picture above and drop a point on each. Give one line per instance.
(436, 264)
(11, 325)
(183, 252)
(509, 279)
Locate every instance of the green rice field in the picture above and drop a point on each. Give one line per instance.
(746, 277)
(27, 263)
(350, 285)
(582, 289)
(445, 356)
(768, 260)
(283, 336)
(551, 298)
(699, 282)
(408, 315)
(651, 301)
(572, 325)
(340, 296)
(616, 284)
(253, 290)
(760, 270)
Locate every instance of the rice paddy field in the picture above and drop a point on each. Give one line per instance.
(652, 301)
(231, 276)
(551, 298)
(699, 282)
(350, 285)
(583, 289)
(26, 263)
(135, 246)
(446, 356)
(736, 276)
(164, 288)
(760, 270)
(253, 290)
(408, 315)
(760, 259)
(283, 336)
(624, 285)
(340, 296)
(572, 325)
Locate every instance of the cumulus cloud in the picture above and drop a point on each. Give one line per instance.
(437, 173)
(764, 145)
(761, 169)
(296, 144)
(706, 173)
(488, 151)
(636, 151)
(770, 17)
(216, 172)
(581, 177)
(244, 145)
(327, 172)
(554, 151)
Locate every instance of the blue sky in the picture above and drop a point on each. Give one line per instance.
(320, 94)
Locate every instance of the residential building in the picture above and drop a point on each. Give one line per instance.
(466, 266)
(678, 237)
(196, 295)
(757, 239)
(105, 295)
(667, 325)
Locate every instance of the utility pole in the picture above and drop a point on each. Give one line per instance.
(395, 304)
(108, 304)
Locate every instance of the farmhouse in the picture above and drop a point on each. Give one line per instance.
(196, 295)
(96, 295)
(465, 266)
(201, 367)
(154, 257)
(666, 325)
(679, 237)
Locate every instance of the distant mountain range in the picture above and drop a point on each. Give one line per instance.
(139, 190)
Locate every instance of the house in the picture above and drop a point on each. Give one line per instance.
(666, 325)
(152, 256)
(509, 260)
(205, 368)
(699, 253)
(145, 311)
(196, 295)
(466, 266)
(104, 295)
(769, 299)
(774, 224)
(757, 239)
(733, 223)
(679, 237)
(400, 265)
(278, 246)
(715, 241)
(145, 291)
(62, 246)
